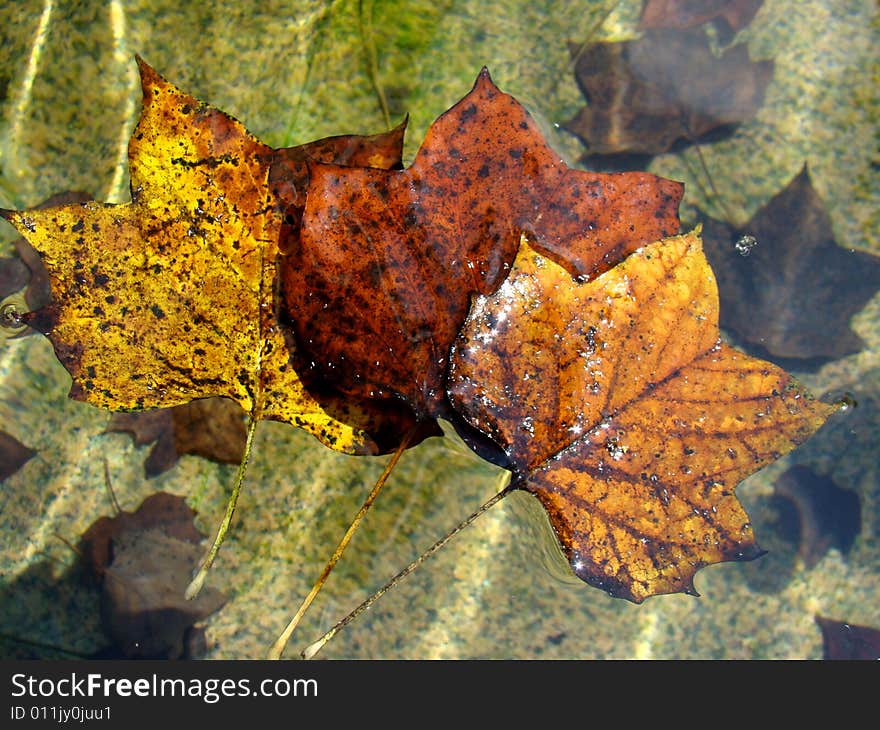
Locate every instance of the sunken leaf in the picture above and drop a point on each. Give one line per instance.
(644, 96)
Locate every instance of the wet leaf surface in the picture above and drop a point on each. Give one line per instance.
(289, 173)
(666, 88)
(635, 460)
(389, 260)
(170, 297)
(143, 561)
(624, 414)
(793, 295)
(213, 428)
(25, 271)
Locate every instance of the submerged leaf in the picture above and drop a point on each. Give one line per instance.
(737, 14)
(389, 260)
(171, 297)
(213, 428)
(13, 455)
(143, 561)
(645, 95)
(624, 415)
(842, 640)
(827, 515)
(795, 291)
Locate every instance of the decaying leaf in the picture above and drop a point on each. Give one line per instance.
(625, 415)
(795, 292)
(488, 283)
(389, 260)
(737, 14)
(13, 455)
(827, 515)
(848, 641)
(644, 96)
(213, 428)
(25, 272)
(143, 561)
(289, 173)
(170, 297)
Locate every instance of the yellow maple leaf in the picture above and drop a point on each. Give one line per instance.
(171, 297)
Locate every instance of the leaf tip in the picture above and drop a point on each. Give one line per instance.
(143, 67)
(22, 220)
(484, 80)
(149, 76)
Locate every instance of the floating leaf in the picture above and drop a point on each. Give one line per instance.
(795, 292)
(24, 281)
(624, 415)
(170, 297)
(213, 428)
(289, 172)
(389, 260)
(645, 95)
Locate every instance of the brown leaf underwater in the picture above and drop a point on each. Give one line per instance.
(794, 291)
(143, 561)
(736, 14)
(213, 428)
(644, 96)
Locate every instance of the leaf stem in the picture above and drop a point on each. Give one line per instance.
(718, 199)
(584, 45)
(278, 647)
(312, 649)
(192, 590)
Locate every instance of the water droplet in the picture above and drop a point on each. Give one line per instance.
(11, 316)
(848, 402)
(745, 244)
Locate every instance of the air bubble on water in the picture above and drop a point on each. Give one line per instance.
(848, 402)
(745, 244)
(11, 316)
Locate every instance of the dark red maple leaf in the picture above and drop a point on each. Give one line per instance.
(382, 278)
